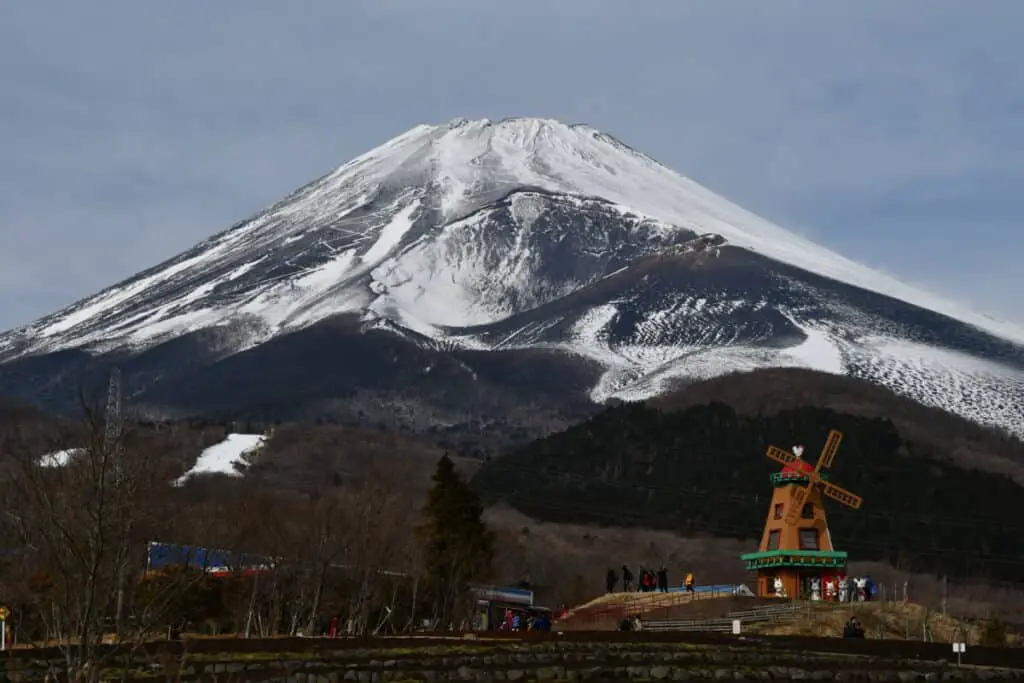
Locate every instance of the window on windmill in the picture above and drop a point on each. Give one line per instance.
(808, 539)
(808, 511)
(778, 511)
(773, 539)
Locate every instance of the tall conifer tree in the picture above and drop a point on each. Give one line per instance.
(459, 548)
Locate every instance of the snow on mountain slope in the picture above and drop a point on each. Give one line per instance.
(980, 390)
(532, 234)
(380, 233)
(221, 458)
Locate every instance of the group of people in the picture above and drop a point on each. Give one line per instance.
(650, 581)
(516, 620)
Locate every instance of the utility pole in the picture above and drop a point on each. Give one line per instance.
(112, 449)
(112, 418)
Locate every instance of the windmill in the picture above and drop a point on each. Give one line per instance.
(796, 551)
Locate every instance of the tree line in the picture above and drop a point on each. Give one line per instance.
(704, 470)
(75, 570)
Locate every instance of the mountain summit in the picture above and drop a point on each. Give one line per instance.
(471, 243)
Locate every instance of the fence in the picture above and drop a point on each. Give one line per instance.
(615, 608)
(774, 614)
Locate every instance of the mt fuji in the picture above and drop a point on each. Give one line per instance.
(466, 267)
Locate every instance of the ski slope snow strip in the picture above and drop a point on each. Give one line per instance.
(60, 458)
(222, 457)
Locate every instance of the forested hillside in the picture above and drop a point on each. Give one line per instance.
(703, 470)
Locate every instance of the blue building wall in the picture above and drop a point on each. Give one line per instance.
(161, 555)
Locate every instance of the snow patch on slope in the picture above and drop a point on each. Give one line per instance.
(984, 391)
(392, 233)
(60, 458)
(980, 390)
(639, 372)
(820, 351)
(115, 298)
(466, 275)
(221, 458)
(307, 298)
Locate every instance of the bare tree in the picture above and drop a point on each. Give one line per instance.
(376, 513)
(80, 506)
(326, 545)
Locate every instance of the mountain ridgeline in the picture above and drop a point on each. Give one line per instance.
(702, 470)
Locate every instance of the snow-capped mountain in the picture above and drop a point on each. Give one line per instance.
(438, 256)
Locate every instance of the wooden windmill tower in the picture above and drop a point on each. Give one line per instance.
(796, 545)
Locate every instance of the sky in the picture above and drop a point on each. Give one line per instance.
(888, 130)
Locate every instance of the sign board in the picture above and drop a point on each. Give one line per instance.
(960, 649)
(516, 596)
(736, 627)
(4, 613)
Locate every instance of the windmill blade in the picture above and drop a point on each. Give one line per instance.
(796, 504)
(828, 453)
(850, 500)
(781, 456)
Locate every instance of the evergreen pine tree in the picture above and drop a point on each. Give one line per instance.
(458, 546)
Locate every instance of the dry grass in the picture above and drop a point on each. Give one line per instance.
(888, 620)
(568, 562)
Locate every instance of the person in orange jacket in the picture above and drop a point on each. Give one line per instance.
(689, 582)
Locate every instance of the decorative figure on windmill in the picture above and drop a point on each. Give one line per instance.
(830, 589)
(780, 588)
(796, 545)
(861, 584)
(815, 588)
(844, 589)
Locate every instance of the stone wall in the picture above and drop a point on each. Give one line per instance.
(570, 661)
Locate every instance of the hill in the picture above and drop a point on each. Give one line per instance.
(702, 470)
(770, 390)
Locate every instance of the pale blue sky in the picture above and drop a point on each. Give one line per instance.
(889, 130)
